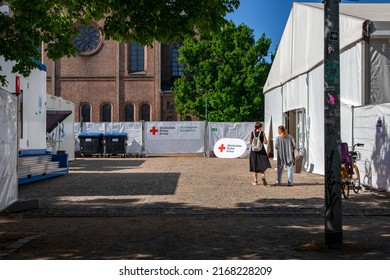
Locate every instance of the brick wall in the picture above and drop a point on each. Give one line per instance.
(104, 78)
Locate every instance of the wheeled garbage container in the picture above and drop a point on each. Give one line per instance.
(91, 143)
(115, 143)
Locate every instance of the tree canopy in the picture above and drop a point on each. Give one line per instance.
(224, 71)
(53, 22)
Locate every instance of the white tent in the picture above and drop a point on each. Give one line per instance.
(294, 91)
(8, 149)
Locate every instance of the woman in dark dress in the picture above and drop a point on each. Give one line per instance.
(258, 161)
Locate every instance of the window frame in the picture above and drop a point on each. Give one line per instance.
(177, 69)
(139, 58)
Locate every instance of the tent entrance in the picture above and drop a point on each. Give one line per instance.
(296, 126)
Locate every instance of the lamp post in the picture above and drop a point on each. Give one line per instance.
(333, 205)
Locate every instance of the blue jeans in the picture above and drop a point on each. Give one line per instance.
(289, 172)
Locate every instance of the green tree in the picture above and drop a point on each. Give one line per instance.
(53, 22)
(224, 71)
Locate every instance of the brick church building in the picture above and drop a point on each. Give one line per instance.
(114, 82)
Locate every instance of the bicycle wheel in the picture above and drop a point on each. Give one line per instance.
(344, 182)
(356, 178)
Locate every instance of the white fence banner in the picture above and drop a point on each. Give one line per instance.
(8, 149)
(219, 130)
(134, 134)
(133, 130)
(174, 137)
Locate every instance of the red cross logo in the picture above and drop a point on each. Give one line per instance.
(221, 148)
(154, 130)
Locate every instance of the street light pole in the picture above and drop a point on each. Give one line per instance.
(333, 205)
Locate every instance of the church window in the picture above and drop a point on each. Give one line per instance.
(129, 113)
(136, 57)
(106, 113)
(177, 68)
(86, 112)
(89, 39)
(145, 112)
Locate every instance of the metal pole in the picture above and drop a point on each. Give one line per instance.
(206, 107)
(333, 205)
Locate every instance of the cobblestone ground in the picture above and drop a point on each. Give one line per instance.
(186, 208)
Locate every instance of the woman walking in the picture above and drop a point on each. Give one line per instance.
(285, 146)
(258, 158)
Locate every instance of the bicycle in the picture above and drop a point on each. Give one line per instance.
(350, 175)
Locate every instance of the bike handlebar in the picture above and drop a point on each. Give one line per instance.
(358, 145)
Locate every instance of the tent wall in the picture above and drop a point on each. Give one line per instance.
(306, 91)
(374, 165)
(295, 94)
(379, 72)
(350, 88)
(296, 54)
(315, 122)
(273, 116)
(8, 149)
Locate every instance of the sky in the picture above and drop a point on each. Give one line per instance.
(270, 16)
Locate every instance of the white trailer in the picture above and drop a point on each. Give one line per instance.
(35, 162)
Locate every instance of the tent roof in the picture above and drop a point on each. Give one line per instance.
(373, 12)
(302, 44)
(55, 117)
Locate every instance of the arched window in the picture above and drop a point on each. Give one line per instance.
(85, 112)
(136, 57)
(106, 113)
(145, 112)
(188, 118)
(177, 68)
(129, 113)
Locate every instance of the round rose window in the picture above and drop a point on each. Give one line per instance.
(88, 41)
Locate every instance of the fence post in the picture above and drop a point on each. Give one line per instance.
(143, 138)
(206, 138)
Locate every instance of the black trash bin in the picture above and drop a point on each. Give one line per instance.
(91, 143)
(115, 143)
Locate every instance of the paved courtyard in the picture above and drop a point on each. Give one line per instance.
(186, 208)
